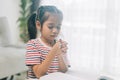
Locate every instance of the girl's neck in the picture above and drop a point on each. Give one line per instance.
(48, 42)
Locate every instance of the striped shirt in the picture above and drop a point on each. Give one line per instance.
(35, 54)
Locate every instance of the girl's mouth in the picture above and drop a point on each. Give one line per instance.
(54, 36)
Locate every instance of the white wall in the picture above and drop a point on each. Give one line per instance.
(112, 49)
(10, 9)
(92, 29)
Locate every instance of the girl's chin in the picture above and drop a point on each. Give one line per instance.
(52, 39)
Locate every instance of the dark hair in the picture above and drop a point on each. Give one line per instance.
(32, 31)
(42, 17)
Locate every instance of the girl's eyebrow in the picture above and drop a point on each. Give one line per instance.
(53, 24)
(50, 23)
(59, 24)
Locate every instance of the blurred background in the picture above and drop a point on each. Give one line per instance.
(91, 28)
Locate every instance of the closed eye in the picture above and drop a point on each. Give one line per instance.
(58, 27)
(50, 27)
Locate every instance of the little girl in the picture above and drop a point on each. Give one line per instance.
(45, 54)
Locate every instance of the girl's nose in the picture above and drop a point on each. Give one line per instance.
(55, 30)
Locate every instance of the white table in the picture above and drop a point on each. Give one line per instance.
(70, 75)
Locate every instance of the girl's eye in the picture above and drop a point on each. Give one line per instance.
(50, 27)
(58, 27)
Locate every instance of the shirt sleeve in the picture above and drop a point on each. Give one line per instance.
(32, 55)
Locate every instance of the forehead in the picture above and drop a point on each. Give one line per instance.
(53, 17)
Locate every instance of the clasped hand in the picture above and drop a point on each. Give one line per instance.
(61, 47)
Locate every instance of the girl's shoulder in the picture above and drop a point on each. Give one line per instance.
(36, 42)
(31, 41)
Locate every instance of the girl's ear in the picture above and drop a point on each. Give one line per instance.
(38, 25)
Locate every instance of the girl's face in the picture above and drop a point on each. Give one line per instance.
(51, 27)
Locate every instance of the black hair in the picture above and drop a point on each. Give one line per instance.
(41, 17)
(32, 31)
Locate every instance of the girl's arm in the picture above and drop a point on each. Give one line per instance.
(41, 69)
(63, 67)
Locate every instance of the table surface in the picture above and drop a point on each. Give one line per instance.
(70, 75)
